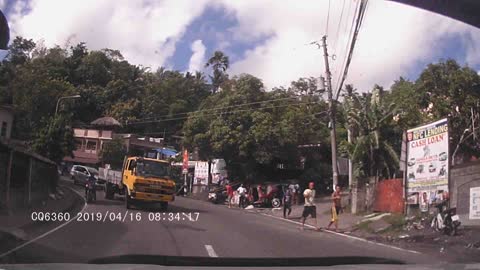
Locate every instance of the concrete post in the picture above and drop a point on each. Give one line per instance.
(29, 184)
(7, 186)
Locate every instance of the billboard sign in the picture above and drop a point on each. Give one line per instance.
(427, 160)
(474, 203)
(201, 173)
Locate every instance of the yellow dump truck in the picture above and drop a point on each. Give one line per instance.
(142, 180)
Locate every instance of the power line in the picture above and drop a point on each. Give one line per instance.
(338, 28)
(328, 17)
(348, 37)
(361, 14)
(352, 27)
(219, 108)
(196, 115)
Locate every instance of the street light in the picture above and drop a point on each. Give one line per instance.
(58, 101)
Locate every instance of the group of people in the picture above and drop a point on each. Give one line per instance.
(290, 197)
(242, 192)
(310, 209)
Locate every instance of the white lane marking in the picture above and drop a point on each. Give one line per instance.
(345, 235)
(210, 251)
(49, 232)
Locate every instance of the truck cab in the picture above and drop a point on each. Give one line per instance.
(147, 180)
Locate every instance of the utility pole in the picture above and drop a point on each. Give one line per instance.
(333, 132)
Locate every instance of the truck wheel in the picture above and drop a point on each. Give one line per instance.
(128, 201)
(109, 193)
(164, 206)
(106, 191)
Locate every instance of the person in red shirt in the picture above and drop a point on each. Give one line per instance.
(229, 195)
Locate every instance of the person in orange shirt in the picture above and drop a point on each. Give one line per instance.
(336, 207)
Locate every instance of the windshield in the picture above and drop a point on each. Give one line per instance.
(148, 168)
(93, 171)
(353, 127)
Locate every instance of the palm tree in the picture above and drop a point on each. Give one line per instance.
(219, 63)
(371, 118)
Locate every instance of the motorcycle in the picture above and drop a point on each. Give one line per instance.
(243, 200)
(90, 191)
(217, 197)
(446, 221)
(268, 199)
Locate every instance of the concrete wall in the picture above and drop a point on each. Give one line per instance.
(363, 194)
(24, 188)
(462, 178)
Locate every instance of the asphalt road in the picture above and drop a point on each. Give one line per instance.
(214, 230)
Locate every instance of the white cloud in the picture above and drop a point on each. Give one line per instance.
(145, 32)
(393, 39)
(197, 59)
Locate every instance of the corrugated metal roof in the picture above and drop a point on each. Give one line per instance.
(18, 147)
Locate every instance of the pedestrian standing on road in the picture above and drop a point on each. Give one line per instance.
(242, 192)
(336, 207)
(229, 194)
(309, 208)
(295, 189)
(287, 202)
(296, 195)
(291, 187)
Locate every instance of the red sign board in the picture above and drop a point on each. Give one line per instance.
(185, 160)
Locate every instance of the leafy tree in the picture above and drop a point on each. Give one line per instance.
(55, 139)
(113, 153)
(405, 96)
(94, 69)
(219, 63)
(73, 62)
(370, 116)
(253, 130)
(449, 90)
(20, 50)
(125, 111)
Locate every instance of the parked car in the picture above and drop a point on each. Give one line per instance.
(218, 195)
(411, 162)
(80, 174)
(443, 156)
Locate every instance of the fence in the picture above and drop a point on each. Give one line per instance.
(389, 196)
(25, 177)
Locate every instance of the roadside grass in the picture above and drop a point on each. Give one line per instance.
(397, 223)
(364, 226)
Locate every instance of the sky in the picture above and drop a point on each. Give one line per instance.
(266, 38)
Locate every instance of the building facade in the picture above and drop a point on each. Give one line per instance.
(88, 144)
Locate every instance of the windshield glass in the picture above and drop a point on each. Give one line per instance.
(148, 168)
(351, 126)
(93, 171)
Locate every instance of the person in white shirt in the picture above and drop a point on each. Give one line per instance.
(309, 208)
(242, 191)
